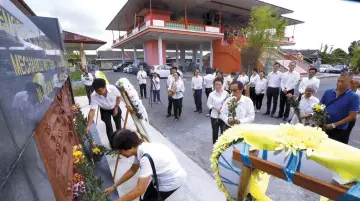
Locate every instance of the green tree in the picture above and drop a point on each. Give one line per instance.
(265, 29)
(74, 57)
(352, 46)
(339, 56)
(355, 60)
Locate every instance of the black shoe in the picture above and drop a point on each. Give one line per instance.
(167, 116)
(200, 112)
(271, 115)
(267, 113)
(176, 120)
(196, 111)
(141, 98)
(279, 117)
(285, 119)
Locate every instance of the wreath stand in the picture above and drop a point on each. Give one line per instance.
(130, 110)
(322, 188)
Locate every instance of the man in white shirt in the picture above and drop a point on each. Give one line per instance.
(288, 83)
(244, 110)
(355, 87)
(169, 80)
(208, 83)
(155, 162)
(260, 88)
(141, 77)
(273, 88)
(196, 86)
(156, 88)
(107, 97)
(87, 79)
(311, 80)
(306, 106)
(244, 79)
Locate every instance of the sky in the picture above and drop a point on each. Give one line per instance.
(331, 22)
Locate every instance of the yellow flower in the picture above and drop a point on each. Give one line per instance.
(318, 108)
(96, 150)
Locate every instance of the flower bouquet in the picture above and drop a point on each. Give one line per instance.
(97, 151)
(319, 115)
(232, 105)
(293, 101)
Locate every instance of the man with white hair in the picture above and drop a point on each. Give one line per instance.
(306, 105)
(310, 80)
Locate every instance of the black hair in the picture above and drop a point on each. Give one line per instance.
(219, 79)
(313, 68)
(208, 71)
(233, 73)
(220, 73)
(174, 68)
(178, 74)
(98, 83)
(262, 72)
(276, 63)
(124, 139)
(255, 70)
(240, 85)
(31, 88)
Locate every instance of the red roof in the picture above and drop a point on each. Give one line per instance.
(70, 37)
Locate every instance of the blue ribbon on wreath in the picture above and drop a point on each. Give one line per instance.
(244, 152)
(292, 166)
(353, 194)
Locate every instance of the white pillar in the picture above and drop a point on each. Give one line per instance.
(135, 55)
(177, 55)
(211, 55)
(122, 56)
(160, 51)
(201, 58)
(194, 56)
(144, 52)
(182, 56)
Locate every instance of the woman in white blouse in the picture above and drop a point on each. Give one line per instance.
(244, 79)
(156, 88)
(260, 89)
(177, 85)
(215, 103)
(253, 79)
(306, 105)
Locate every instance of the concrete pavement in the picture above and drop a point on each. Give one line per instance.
(192, 134)
(200, 186)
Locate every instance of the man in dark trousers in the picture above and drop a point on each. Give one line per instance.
(273, 88)
(107, 97)
(289, 81)
(342, 105)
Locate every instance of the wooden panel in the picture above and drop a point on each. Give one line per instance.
(55, 137)
(317, 186)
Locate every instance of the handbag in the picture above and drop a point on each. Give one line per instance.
(155, 179)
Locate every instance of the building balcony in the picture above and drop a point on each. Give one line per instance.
(168, 26)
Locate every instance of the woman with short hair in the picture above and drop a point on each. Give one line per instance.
(176, 91)
(155, 163)
(215, 103)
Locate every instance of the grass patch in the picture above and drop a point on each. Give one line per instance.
(79, 91)
(76, 75)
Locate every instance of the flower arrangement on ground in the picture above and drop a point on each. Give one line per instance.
(319, 115)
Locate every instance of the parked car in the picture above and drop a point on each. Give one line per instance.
(126, 69)
(162, 70)
(325, 68)
(120, 67)
(135, 68)
(338, 69)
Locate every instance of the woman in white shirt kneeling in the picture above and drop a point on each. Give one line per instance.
(215, 103)
(156, 162)
(176, 90)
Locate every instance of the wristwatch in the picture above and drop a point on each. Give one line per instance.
(333, 125)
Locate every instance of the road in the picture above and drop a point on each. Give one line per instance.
(193, 134)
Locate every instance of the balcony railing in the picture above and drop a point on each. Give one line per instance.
(168, 25)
